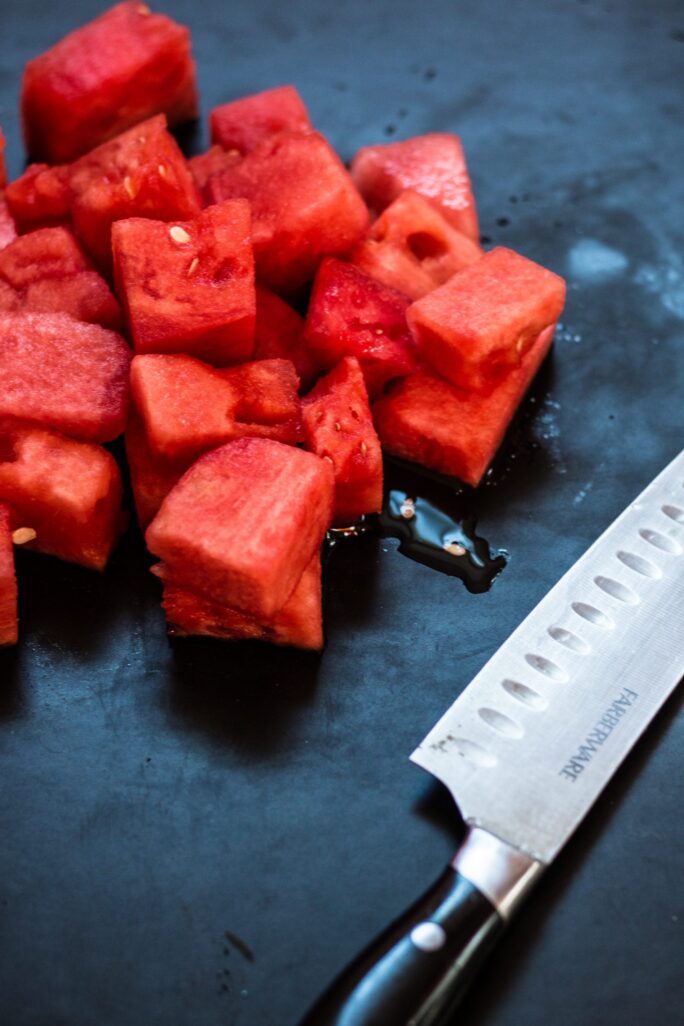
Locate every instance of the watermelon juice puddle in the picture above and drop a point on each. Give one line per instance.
(434, 522)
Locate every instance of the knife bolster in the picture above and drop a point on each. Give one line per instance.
(502, 873)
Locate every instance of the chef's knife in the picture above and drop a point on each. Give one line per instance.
(525, 751)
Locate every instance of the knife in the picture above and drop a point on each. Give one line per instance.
(525, 750)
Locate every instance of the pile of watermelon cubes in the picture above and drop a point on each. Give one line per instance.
(259, 321)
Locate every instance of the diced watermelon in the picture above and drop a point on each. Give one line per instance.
(480, 324)
(8, 229)
(413, 248)
(189, 407)
(188, 287)
(304, 205)
(339, 428)
(351, 314)
(40, 197)
(299, 623)
(427, 420)
(64, 374)
(204, 165)
(141, 173)
(122, 67)
(241, 124)
(279, 334)
(433, 165)
(49, 273)
(68, 492)
(151, 477)
(242, 524)
(9, 624)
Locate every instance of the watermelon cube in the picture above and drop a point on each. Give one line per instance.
(299, 623)
(429, 421)
(9, 624)
(3, 169)
(413, 248)
(140, 173)
(40, 197)
(478, 326)
(351, 314)
(64, 374)
(188, 407)
(122, 67)
(152, 478)
(48, 272)
(243, 123)
(433, 165)
(188, 287)
(279, 334)
(8, 228)
(67, 492)
(204, 165)
(339, 428)
(304, 205)
(242, 524)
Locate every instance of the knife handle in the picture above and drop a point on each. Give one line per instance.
(415, 973)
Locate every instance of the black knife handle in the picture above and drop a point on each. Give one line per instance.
(416, 971)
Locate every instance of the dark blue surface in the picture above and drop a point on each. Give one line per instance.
(196, 835)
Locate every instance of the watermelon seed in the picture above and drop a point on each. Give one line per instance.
(338, 426)
(179, 234)
(129, 187)
(379, 331)
(161, 168)
(193, 266)
(22, 535)
(364, 448)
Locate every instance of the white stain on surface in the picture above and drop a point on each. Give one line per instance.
(592, 261)
(666, 282)
(548, 431)
(582, 493)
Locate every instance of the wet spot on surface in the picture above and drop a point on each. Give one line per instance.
(593, 261)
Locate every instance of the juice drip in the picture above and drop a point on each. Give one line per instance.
(434, 522)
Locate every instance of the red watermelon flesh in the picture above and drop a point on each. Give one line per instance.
(3, 169)
(242, 524)
(9, 625)
(339, 428)
(298, 623)
(304, 205)
(427, 420)
(8, 229)
(480, 324)
(433, 165)
(188, 286)
(122, 67)
(49, 273)
(140, 173)
(68, 492)
(413, 248)
(351, 314)
(204, 165)
(40, 197)
(243, 123)
(64, 374)
(151, 477)
(188, 407)
(279, 334)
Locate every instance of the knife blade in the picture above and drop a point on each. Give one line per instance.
(525, 751)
